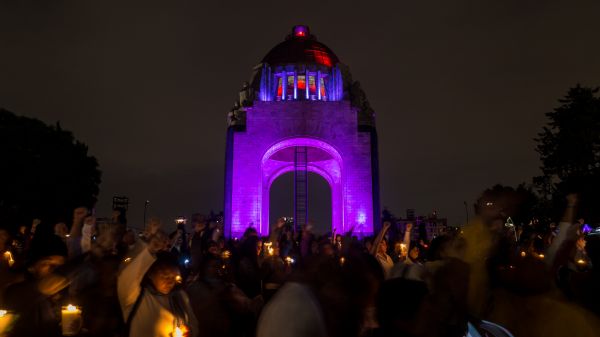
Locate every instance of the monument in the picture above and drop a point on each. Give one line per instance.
(301, 112)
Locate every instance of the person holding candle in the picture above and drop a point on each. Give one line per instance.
(151, 302)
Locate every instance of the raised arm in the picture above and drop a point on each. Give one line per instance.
(407, 235)
(379, 237)
(79, 215)
(130, 279)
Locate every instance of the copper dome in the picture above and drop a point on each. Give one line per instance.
(301, 47)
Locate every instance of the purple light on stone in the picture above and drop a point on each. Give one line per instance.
(341, 156)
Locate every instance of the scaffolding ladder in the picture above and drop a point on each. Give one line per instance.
(300, 187)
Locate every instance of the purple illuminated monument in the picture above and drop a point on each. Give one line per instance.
(301, 113)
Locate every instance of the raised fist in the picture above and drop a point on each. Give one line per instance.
(158, 242)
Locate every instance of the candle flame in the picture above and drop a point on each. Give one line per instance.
(9, 258)
(180, 331)
(523, 254)
(342, 260)
(3, 313)
(71, 308)
(127, 260)
(581, 261)
(541, 256)
(269, 247)
(178, 279)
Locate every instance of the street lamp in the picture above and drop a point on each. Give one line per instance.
(146, 203)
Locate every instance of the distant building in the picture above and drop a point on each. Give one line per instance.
(424, 227)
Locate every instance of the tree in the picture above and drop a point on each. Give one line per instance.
(501, 201)
(569, 148)
(44, 172)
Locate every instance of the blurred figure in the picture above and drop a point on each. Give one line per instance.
(88, 231)
(36, 300)
(199, 241)
(248, 276)
(61, 230)
(20, 241)
(379, 250)
(384, 259)
(403, 309)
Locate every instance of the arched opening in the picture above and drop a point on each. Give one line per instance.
(281, 197)
(321, 159)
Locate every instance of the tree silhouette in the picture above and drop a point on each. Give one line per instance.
(569, 148)
(44, 172)
(519, 203)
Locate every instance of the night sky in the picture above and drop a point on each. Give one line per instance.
(460, 88)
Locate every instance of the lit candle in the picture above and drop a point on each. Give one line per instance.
(269, 248)
(71, 320)
(5, 321)
(289, 260)
(9, 258)
(523, 254)
(342, 260)
(180, 331)
(403, 249)
(581, 261)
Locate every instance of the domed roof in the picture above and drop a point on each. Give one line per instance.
(301, 47)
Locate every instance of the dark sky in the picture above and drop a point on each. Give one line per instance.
(460, 87)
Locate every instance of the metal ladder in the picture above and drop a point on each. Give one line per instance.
(300, 187)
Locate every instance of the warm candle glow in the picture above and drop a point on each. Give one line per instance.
(580, 261)
(342, 260)
(5, 321)
(178, 279)
(541, 256)
(523, 254)
(71, 320)
(226, 254)
(180, 331)
(9, 258)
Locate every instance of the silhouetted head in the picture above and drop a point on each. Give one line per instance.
(401, 306)
(164, 274)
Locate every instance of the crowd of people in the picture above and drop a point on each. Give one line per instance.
(487, 278)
